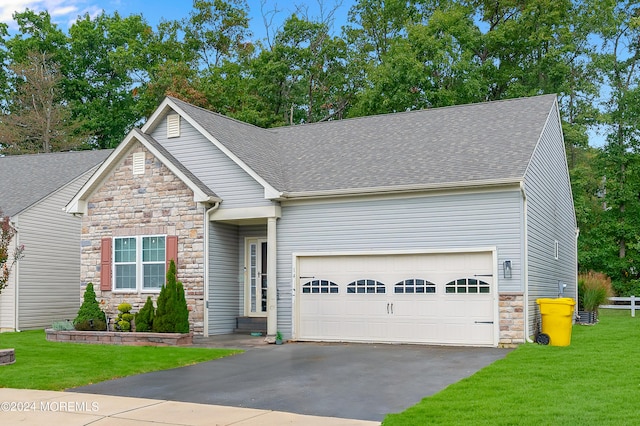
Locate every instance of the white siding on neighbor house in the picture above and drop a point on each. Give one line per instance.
(235, 186)
(7, 298)
(49, 273)
(455, 221)
(224, 295)
(550, 217)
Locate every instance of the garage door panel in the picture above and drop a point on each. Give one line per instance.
(399, 298)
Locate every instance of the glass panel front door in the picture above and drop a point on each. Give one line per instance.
(256, 277)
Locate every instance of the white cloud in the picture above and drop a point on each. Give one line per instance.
(63, 12)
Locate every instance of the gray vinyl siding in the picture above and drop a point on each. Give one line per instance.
(215, 169)
(224, 289)
(550, 217)
(49, 273)
(456, 221)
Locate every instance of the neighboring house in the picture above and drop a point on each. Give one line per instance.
(34, 190)
(438, 226)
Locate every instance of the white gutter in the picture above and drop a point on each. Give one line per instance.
(525, 263)
(402, 188)
(206, 223)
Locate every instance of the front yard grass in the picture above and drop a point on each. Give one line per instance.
(56, 366)
(595, 380)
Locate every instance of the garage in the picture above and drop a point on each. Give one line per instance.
(431, 298)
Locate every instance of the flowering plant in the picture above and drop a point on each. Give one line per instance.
(7, 260)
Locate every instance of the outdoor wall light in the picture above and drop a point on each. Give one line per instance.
(506, 268)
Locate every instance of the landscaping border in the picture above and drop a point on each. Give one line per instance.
(120, 338)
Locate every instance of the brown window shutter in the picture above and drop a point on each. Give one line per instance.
(105, 264)
(172, 250)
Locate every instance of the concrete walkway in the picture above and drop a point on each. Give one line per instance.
(36, 407)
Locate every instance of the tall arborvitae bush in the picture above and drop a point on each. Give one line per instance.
(172, 315)
(182, 320)
(144, 318)
(90, 316)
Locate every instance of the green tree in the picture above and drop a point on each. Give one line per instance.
(109, 66)
(618, 60)
(38, 119)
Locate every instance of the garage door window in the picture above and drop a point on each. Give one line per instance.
(467, 285)
(366, 286)
(416, 285)
(319, 287)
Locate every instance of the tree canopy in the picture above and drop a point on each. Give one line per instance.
(87, 87)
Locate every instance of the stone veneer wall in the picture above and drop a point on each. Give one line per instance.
(512, 322)
(156, 202)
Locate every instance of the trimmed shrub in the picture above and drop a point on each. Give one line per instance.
(144, 318)
(90, 316)
(172, 306)
(124, 318)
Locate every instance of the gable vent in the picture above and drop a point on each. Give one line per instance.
(138, 163)
(173, 126)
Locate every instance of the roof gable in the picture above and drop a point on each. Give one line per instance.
(26, 179)
(461, 145)
(201, 193)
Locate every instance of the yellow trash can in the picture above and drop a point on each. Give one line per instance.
(557, 319)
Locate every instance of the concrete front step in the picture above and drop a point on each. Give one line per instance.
(248, 325)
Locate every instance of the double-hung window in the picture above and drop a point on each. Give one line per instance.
(139, 263)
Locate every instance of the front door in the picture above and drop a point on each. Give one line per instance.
(256, 277)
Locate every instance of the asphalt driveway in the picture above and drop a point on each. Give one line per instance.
(358, 381)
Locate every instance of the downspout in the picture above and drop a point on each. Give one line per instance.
(206, 224)
(525, 263)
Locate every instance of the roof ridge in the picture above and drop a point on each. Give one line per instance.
(414, 111)
(219, 114)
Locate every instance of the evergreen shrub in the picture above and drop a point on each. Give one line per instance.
(172, 314)
(144, 318)
(90, 316)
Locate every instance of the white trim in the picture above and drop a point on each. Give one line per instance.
(140, 289)
(78, 205)
(454, 250)
(173, 126)
(269, 191)
(403, 195)
(247, 274)
(399, 189)
(296, 256)
(245, 213)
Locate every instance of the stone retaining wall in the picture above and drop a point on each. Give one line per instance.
(121, 338)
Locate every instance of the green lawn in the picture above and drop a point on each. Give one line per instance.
(594, 381)
(56, 366)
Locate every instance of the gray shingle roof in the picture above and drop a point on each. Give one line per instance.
(258, 148)
(176, 163)
(491, 141)
(26, 179)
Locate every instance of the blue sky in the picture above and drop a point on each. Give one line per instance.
(64, 12)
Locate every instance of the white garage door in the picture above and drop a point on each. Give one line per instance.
(444, 298)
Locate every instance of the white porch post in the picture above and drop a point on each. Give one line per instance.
(272, 295)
